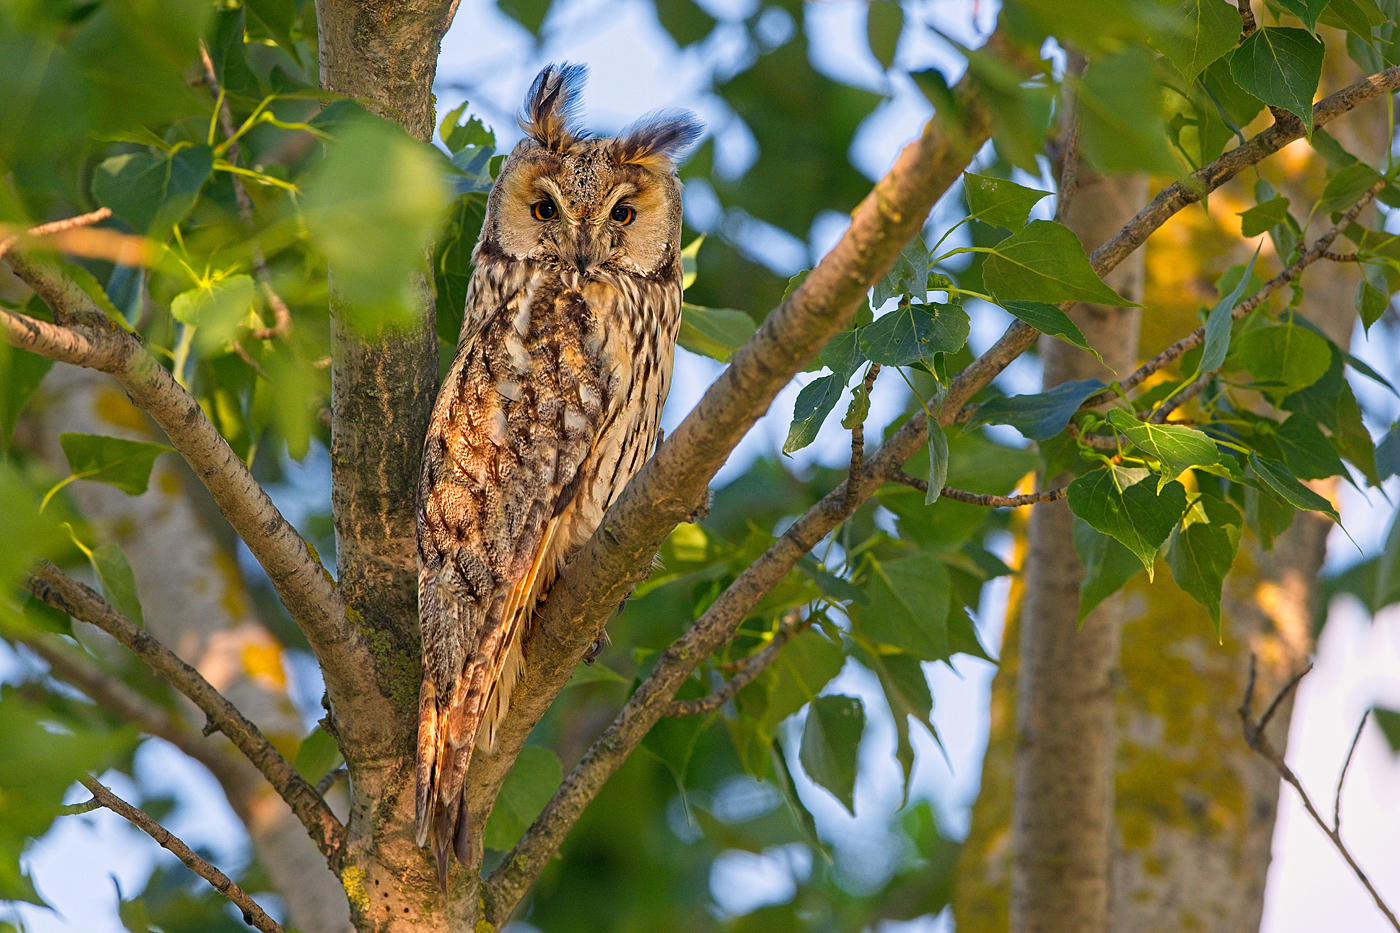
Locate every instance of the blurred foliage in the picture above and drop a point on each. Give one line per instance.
(258, 210)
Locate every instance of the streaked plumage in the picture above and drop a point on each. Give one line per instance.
(549, 408)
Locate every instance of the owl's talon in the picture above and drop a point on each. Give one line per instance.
(596, 648)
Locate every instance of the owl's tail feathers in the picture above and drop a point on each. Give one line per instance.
(442, 770)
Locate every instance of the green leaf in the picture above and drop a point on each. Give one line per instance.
(1238, 106)
(1107, 566)
(1280, 66)
(884, 21)
(1045, 261)
(1259, 218)
(118, 582)
(373, 208)
(908, 275)
(842, 354)
(684, 20)
(1208, 30)
(1178, 448)
(317, 754)
(1020, 108)
(914, 333)
(962, 631)
(1120, 119)
(814, 403)
(1371, 303)
(937, 462)
(153, 193)
(1050, 320)
(1039, 417)
(831, 743)
(907, 606)
(1355, 16)
(1124, 503)
(1285, 358)
(47, 748)
(112, 460)
(1306, 450)
(906, 690)
(1202, 549)
(1389, 722)
(1346, 187)
(1281, 480)
(672, 740)
(20, 375)
(1388, 569)
(999, 202)
(452, 262)
(532, 780)
(1306, 10)
(529, 13)
(218, 311)
(1217, 342)
(458, 136)
(1388, 453)
(714, 332)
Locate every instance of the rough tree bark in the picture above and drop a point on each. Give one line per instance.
(1063, 805)
(382, 390)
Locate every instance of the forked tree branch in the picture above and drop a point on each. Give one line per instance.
(1255, 736)
(253, 915)
(746, 675)
(56, 588)
(83, 336)
(663, 494)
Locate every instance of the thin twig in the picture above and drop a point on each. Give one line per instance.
(329, 779)
(858, 444)
(253, 915)
(56, 226)
(977, 498)
(1341, 257)
(56, 588)
(1254, 735)
(1069, 168)
(281, 315)
(1342, 778)
(752, 668)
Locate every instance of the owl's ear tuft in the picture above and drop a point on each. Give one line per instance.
(552, 104)
(655, 140)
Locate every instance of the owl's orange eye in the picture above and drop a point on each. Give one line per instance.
(544, 210)
(623, 214)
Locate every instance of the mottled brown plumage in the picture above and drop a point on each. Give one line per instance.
(550, 407)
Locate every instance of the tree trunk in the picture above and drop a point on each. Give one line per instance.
(1063, 806)
(194, 599)
(382, 391)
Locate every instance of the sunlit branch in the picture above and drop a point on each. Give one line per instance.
(1254, 734)
(57, 226)
(56, 588)
(83, 336)
(253, 915)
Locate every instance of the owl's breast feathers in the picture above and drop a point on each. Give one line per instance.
(549, 408)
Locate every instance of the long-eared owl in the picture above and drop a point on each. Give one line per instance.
(551, 405)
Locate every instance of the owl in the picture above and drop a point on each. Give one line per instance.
(551, 405)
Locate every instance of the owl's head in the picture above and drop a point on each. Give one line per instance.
(582, 205)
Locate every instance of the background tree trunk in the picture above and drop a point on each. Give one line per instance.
(195, 600)
(1063, 805)
(1194, 808)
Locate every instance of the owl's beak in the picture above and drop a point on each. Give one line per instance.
(588, 253)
